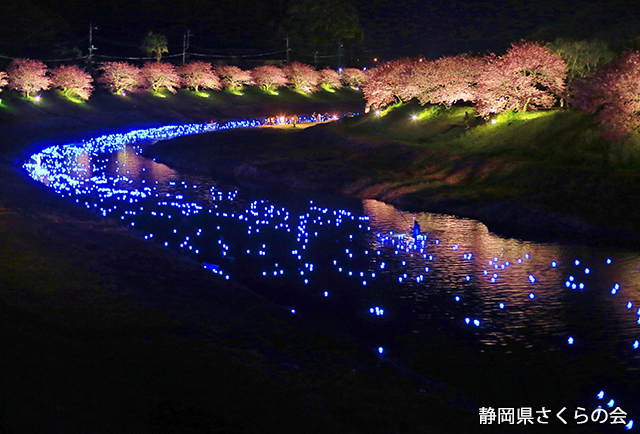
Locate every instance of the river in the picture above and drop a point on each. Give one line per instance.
(546, 324)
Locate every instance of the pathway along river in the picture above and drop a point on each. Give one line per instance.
(526, 328)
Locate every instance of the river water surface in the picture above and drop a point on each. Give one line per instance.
(548, 309)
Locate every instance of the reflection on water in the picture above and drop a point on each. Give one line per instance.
(358, 262)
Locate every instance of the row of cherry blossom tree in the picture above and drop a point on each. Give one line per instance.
(32, 76)
(528, 75)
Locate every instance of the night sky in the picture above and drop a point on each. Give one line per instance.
(390, 28)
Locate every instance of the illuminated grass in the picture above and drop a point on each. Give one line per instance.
(235, 91)
(160, 93)
(327, 88)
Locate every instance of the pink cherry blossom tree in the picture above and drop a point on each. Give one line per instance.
(197, 75)
(302, 77)
(268, 77)
(73, 81)
(4, 80)
(329, 79)
(390, 82)
(28, 76)
(448, 79)
(161, 74)
(353, 77)
(232, 77)
(613, 94)
(528, 75)
(120, 77)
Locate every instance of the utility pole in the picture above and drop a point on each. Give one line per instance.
(91, 47)
(287, 39)
(339, 52)
(315, 59)
(185, 45)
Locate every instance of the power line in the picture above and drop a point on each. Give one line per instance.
(133, 58)
(45, 60)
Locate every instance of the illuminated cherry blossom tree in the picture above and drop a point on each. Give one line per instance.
(120, 77)
(390, 82)
(353, 77)
(197, 75)
(613, 94)
(303, 78)
(329, 79)
(73, 81)
(28, 76)
(448, 79)
(528, 75)
(268, 77)
(161, 74)
(4, 80)
(232, 77)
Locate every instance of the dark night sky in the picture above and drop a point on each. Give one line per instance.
(392, 28)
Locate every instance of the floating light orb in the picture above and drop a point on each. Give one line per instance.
(570, 340)
(600, 394)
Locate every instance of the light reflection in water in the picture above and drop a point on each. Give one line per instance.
(456, 273)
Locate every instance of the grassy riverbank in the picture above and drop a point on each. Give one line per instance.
(543, 174)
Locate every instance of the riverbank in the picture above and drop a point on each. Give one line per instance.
(104, 332)
(544, 176)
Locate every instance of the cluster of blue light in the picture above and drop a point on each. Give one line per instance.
(282, 244)
(600, 396)
(377, 311)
